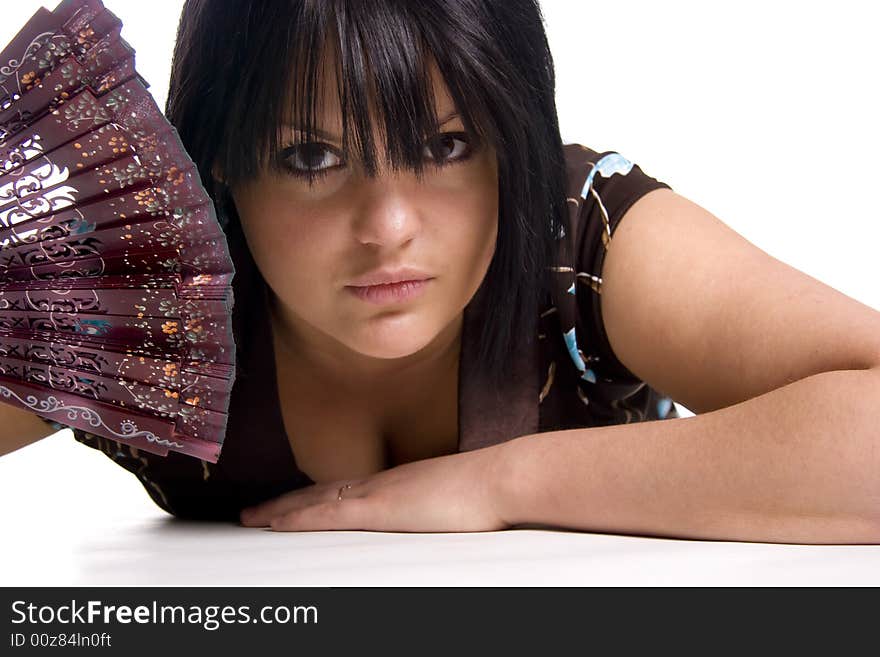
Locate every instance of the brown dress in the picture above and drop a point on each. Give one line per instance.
(567, 378)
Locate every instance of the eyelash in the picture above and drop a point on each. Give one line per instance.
(315, 174)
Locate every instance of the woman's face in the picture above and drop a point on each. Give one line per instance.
(310, 243)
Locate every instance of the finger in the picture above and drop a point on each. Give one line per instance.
(326, 516)
(261, 514)
(250, 519)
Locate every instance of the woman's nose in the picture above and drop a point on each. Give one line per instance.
(390, 213)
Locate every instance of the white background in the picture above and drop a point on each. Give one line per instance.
(762, 112)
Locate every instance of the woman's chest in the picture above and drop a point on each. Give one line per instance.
(336, 435)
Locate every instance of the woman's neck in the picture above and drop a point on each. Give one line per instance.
(325, 361)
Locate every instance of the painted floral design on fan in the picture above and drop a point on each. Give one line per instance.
(98, 196)
(92, 326)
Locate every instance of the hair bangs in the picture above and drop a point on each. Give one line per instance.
(386, 83)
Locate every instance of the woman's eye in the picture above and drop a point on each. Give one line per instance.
(448, 147)
(314, 157)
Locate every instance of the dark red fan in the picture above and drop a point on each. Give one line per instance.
(115, 275)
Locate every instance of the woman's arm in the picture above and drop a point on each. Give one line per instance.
(19, 428)
(799, 464)
(783, 371)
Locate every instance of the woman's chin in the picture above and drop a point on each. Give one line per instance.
(391, 342)
(390, 349)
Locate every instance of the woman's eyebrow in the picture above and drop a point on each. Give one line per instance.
(323, 134)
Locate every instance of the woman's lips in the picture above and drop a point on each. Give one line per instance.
(391, 292)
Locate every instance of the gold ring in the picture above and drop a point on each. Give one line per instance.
(342, 488)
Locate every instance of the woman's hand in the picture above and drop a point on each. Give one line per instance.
(454, 493)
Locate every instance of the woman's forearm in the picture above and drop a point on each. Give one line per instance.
(799, 464)
(19, 428)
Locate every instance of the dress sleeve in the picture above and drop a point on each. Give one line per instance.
(612, 184)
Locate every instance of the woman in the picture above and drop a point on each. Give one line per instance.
(350, 144)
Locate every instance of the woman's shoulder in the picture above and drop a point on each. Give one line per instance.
(601, 187)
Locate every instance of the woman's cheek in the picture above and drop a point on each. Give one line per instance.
(311, 262)
(274, 246)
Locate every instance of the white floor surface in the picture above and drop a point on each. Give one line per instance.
(72, 517)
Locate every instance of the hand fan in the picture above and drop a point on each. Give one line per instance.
(115, 275)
